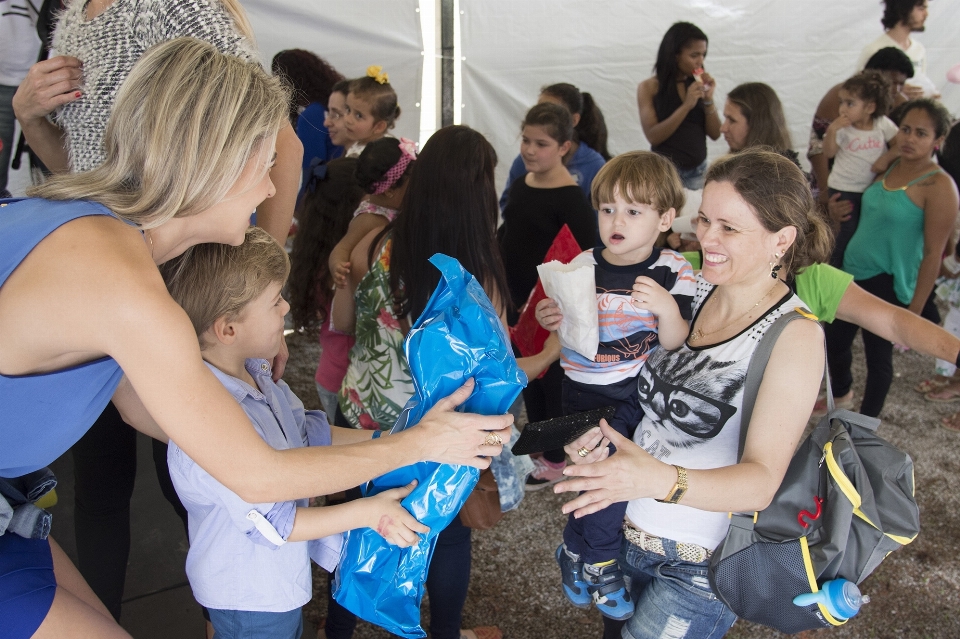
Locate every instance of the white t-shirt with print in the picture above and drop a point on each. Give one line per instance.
(856, 152)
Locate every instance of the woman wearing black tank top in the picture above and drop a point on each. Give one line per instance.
(676, 104)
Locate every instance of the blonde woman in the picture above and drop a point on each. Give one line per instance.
(84, 259)
(99, 41)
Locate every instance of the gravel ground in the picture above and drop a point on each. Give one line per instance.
(916, 591)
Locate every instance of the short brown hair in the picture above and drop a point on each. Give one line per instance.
(779, 194)
(639, 176)
(210, 281)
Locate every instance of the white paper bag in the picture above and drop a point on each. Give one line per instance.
(573, 287)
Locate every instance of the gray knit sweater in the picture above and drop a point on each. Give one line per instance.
(109, 46)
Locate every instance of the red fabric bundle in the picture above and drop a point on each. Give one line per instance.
(528, 335)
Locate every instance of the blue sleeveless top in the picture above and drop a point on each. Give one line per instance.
(43, 415)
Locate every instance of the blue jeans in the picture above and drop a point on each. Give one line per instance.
(597, 537)
(245, 624)
(693, 178)
(673, 597)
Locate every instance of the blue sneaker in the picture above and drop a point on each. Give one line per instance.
(574, 587)
(608, 590)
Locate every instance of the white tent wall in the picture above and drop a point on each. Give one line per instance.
(801, 48)
(351, 36)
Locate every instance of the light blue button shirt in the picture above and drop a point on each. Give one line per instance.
(232, 564)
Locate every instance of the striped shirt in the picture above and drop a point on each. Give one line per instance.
(627, 333)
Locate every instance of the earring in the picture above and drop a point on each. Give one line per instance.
(775, 271)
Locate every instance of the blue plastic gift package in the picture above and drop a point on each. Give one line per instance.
(458, 336)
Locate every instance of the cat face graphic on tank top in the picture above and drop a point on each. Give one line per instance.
(691, 406)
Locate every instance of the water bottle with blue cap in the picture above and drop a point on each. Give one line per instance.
(840, 597)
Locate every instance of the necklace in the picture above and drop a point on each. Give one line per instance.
(699, 334)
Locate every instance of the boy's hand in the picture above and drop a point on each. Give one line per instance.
(340, 275)
(548, 314)
(650, 296)
(392, 521)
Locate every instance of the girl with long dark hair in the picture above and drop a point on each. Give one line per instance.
(676, 104)
(588, 146)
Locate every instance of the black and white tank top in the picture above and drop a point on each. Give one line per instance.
(691, 399)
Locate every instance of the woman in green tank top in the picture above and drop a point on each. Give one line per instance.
(906, 217)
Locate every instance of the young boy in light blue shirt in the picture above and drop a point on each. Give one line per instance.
(249, 564)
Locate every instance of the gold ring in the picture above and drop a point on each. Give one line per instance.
(493, 440)
(583, 452)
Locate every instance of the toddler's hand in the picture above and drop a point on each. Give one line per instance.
(548, 314)
(650, 296)
(839, 123)
(340, 275)
(392, 521)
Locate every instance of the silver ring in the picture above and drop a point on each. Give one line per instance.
(583, 452)
(493, 439)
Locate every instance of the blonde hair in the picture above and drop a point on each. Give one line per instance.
(779, 194)
(639, 176)
(210, 281)
(240, 20)
(186, 121)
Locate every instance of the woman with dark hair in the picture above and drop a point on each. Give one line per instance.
(676, 104)
(588, 145)
(906, 217)
(312, 79)
(450, 207)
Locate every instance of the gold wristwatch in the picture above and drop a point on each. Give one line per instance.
(679, 489)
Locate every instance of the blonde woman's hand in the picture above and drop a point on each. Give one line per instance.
(392, 521)
(449, 437)
(592, 441)
(622, 477)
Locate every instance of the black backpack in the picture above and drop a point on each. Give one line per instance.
(845, 503)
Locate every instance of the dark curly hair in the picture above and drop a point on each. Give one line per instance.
(323, 216)
(311, 76)
(871, 86)
(895, 11)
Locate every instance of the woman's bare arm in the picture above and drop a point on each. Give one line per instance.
(94, 281)
(939, 215)
(656, 131)
(896, 324)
